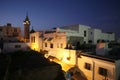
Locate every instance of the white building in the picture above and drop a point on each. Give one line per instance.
(99, 68)
(78, 30)
(94, 35)
(97, 34)
(87, 33)
(108, 36)
(35, 41)
(48, 40)
(68, 35)
(93, 67)
(54, 40)
(12, 47)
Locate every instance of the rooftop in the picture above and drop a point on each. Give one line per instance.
(111, 55)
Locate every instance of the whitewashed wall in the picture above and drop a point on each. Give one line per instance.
(37, 45)
(97, 35)
(78, 30)
(93, 74)
(83, 28)
(63, 55)
(58, 40)
(10, 47)
(108, 36)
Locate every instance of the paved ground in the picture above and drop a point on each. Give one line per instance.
(66, 67)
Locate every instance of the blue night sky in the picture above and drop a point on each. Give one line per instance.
(44, 14)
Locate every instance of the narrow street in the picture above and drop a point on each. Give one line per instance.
(66, 67)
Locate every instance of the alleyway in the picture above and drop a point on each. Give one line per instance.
(65, 67)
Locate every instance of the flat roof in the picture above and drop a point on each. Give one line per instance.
(105, 58)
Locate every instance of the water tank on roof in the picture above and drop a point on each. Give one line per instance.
(9, 24)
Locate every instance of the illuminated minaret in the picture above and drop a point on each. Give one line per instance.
(26, 28)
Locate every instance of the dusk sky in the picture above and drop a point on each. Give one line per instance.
(44, 14)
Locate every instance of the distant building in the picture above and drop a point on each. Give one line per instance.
(96, 35)
(78, 31)
(9, 33)
(118, 40)
(26, 29)
(73, 36)
(15, 46)
(88, 34)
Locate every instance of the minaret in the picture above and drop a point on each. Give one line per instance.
(26, 28)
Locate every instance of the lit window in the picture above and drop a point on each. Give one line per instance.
(87, 66)
(102, 71)
(51, 45)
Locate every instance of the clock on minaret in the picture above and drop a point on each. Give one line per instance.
(26, 28)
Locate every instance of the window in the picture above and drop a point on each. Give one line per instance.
(51, 45)
(45, 44)
(57, 45)
(84, 42)
(87, 66)
(15, 29)
(91, 33)
(102, 71)
(85, 33)
(17, 46)
(33, 39)
(61, 45)
(98, 40)
(90, 41)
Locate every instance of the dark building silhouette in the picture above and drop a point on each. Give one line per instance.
(26, 29)
(32, 30)
(9, 33)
